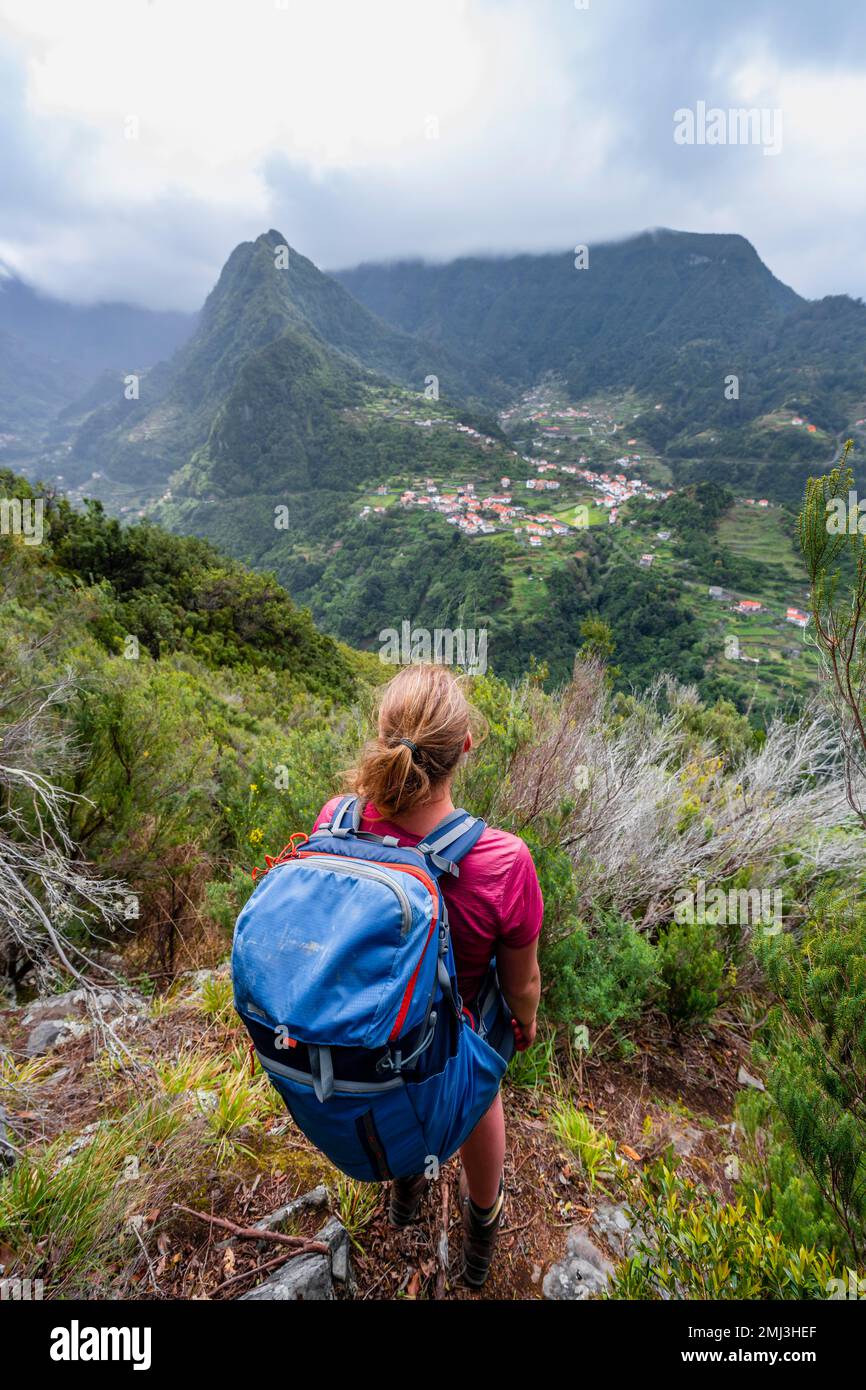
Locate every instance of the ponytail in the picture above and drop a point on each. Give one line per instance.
(423, 720)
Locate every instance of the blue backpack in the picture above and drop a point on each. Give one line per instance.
(344, 976)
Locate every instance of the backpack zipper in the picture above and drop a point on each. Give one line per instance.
(372, 871)
(363, 869)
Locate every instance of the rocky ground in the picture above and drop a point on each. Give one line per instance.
(198, 1140)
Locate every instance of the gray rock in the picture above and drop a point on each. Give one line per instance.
(308, 1201)
(580, 1247)
(195, 980)
(336, 1237)
(686, 1140)
(80, 1142)
(745, 1078)
(584, 1273)
(45, 1036)
(73, 1006)
(615, 1225)
(574, 1281)
(308, 1278)
(305, 1279)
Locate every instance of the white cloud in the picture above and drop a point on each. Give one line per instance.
(553, 126)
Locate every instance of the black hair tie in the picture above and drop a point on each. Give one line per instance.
(407, 743)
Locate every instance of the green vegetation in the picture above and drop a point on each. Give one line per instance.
(293, 408)
(691, 974)
(176, 760)
(814, 1051)
(694, 1246)
(595, 1152)
(670, 315)
(601, 975)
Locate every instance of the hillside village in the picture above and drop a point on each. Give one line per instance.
(483, 515)
(484, 508)
(565, 467)
(558, 468)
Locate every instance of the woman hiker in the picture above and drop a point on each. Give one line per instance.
(404, 778)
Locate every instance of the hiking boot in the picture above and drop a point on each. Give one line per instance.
(406, 1194)
(479, 1234)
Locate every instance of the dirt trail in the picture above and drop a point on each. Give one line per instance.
(664, 1096)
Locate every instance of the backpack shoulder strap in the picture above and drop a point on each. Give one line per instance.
(342, 819)
(458, 833)
(346, 821)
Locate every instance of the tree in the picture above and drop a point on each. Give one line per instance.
(834, 546)
(598, 645)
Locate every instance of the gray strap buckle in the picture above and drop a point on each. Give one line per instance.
(322, 1072)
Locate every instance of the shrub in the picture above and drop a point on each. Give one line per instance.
(691, 973)
(601, 975)
(772, 1166)
(692, 1245)
(814, 1052)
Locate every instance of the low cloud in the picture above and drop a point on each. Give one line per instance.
(140, 143)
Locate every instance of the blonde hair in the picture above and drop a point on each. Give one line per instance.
(425, 706)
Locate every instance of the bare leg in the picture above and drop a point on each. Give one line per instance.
(483, 1156)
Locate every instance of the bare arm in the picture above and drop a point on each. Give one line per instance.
(520, 982)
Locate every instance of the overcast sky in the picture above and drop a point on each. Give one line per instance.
(140, 140)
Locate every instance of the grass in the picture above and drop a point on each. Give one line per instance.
(190, 1070)
(534, 1068)
(216, 999)
(595, 1152)
(758, 533)
(356, 1204)
(236, 1111)
(66, 1215)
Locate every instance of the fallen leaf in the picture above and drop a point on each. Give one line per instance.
(630, 1153)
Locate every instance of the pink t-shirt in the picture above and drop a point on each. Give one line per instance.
(495, 899)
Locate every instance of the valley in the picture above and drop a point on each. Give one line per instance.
(483, 463)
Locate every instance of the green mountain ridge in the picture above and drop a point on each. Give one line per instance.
(255, 302)
(51, 351)
(285, 432)
(670, 314)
